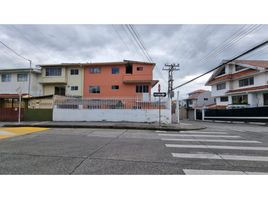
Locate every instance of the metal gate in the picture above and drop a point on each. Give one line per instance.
(10, 114)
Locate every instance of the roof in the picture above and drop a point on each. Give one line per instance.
(10, 96)
(33, 70)
(253, 66)
(256, 63)
(98, 63)
(198, 91)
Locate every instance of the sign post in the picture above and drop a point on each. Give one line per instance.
(159, 95)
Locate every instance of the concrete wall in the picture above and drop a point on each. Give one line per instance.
(130, 115)
(75, 80)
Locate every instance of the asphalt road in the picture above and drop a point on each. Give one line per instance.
(219, 149)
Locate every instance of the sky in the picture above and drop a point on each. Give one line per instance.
(196, 48)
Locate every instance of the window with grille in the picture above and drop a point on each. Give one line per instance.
(53, 71)
(94, 89)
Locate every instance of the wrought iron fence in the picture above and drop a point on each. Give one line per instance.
(110, 103)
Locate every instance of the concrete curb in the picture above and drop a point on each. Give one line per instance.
(144, 127)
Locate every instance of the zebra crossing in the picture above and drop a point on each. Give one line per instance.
(216, 145)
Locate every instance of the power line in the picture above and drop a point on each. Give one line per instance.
(243, 54)
(17, 54)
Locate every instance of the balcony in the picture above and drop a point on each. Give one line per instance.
(128, 79)
(53, 79)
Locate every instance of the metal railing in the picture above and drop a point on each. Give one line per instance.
(109, 103)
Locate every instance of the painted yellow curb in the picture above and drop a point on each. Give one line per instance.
(13, 132)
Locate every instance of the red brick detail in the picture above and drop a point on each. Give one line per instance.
(249, 89)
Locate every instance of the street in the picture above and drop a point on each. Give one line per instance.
(221, 148)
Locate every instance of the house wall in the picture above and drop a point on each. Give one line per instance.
(11, 87)
(106, 79)
(75, 80)
(217, 93)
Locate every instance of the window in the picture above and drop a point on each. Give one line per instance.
(94, 89)
(94, 70)
(224, 99)
(74, 88)
(221, 86)
(221, 72)
(53, 71)
(115, 87)
(139, 68)
(142, 89)
(265, 99)
(128, 68)
(238, 67)
(246, 82)
(242, 99)
(22, 77)
(6, 77)
(205, 99)
(115, 70)
(60, 91)
(74, 71)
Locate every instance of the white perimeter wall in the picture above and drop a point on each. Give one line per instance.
(130, 115)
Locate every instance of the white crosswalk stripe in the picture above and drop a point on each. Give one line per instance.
(217, 147)
(220, 172)
(196, 135)
(220, 156)
(204, 132)
(194, 141)
(209, 140)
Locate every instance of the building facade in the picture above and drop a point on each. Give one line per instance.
(15, 81)
(62, 79)
(242, 83)
(119, 79)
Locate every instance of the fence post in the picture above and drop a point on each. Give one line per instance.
(195, 114)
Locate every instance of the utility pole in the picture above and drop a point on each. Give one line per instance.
(171, 68)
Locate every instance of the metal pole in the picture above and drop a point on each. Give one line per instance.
(159, 111)
(30, 72)
(19, 108)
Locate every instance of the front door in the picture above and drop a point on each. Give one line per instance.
(60, 90)
(265, 99)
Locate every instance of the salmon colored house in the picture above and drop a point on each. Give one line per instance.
(118, 79)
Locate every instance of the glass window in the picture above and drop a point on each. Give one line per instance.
(238, 67)
(94, 70)
(205, 99)
(74, 71)
(246, 82)
(224, 99)
(22, 77)
(53, 71)
(221, 72)
(142, 89)
(128, 68)
(115, 70)
(139, 68)
(94, 89)
(6, 77)
(73, 88)
(115, 87)
(241, 99)
(221, 86)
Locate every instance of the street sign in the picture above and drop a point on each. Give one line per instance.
(160, 94)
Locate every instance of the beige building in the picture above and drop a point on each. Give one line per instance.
(62, 79)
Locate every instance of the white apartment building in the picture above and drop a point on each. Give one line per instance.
(199, 99)
(24, 78)
(241, 83)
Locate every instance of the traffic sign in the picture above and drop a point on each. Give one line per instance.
(160, 94)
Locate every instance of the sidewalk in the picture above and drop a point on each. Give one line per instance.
(108, 125)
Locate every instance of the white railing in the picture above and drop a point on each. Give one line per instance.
(110, 103)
